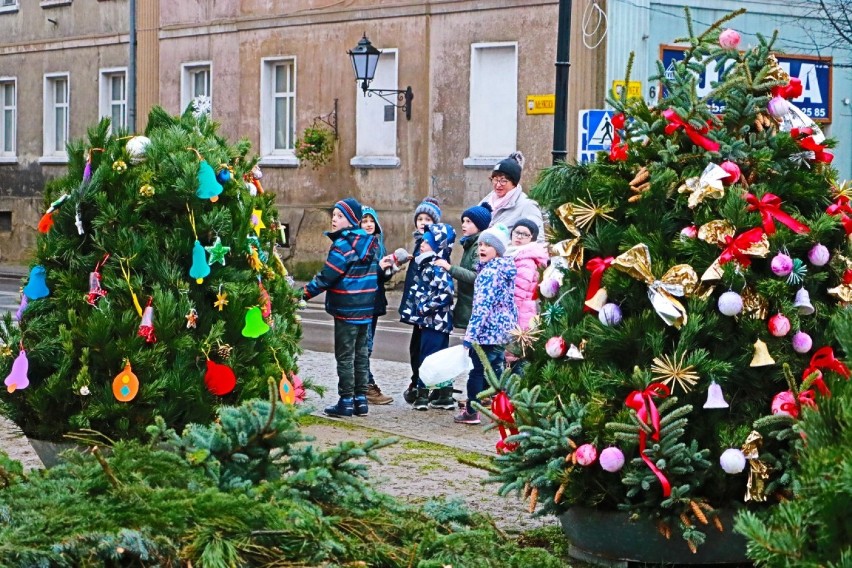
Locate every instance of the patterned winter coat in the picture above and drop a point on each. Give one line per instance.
(433, 289)
(465, 273)
(412, 274)
(348, 277)
(529, 258)
(494, 314)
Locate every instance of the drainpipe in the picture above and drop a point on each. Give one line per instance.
(131, 71)
(563, 56)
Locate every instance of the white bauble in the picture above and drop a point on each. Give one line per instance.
(136, 147)
(730, 303)
(732, 460)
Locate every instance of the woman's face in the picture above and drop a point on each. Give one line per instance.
(501, 184)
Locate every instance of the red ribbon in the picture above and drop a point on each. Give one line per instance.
(769, 207)
(697, 136)
(618, 149)
(735, 247)
(820, 153)
(824, 359)
(643, 403)
(596, 266)
(791, 90)
(502, 408)
(841, 207)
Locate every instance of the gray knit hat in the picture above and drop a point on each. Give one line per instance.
(497, 237)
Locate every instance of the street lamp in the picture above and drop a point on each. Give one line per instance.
(365, 59)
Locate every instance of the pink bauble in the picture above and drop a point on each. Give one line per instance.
(779, 325)
(549, 287)
(689, 232)
(733, 172)
(556, 347)
(586, 454)
(782, 265)
(612, 459)
(819, 255)
(802, 342)
(784, 403)
(729, 39)
(778, 107)
(732, 460)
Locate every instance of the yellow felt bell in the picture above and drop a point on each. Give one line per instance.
(761, 358)
(255, 326)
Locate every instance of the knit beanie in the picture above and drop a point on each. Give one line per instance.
(351, 209)
(497, 236)
(529, 224)
(480, 215)
(429, 206)
(511, 167)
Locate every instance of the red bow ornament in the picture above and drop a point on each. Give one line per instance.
(791, 90)
(502, 408)
(597, 266)
(841, 207)
(618, 149)
(694, 134)
(769, 207)
(646, 411)
(738, 248)
(824, 359)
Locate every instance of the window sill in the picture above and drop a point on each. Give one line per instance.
(481, 163)
(8, 9)
(59, 160)
(54, 3)
(375, 162)
(283, 161)
(8, 159)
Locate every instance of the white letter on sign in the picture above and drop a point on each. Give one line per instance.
(810, 84)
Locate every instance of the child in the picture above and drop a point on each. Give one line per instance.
(529, 256)
(371, 226)
(349, 277)
(427, 213)
(494, 314)
(433, 297)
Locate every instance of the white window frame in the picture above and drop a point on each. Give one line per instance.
(54, 3)
(187, 73)
(106, 101)
(272, 156)
(13, 7)
(51, 154)
(365, 127)
(8, 157)
(478, 112)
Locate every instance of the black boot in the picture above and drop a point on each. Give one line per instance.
(410, 394)
(422, 400)
(344, 407)
(361, 408)
(444, 400)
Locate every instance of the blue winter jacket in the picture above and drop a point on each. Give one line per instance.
(348, 277)
(406, 304)
(494, 313)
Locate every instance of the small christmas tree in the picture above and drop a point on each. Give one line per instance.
(156, 288)
(700, 257)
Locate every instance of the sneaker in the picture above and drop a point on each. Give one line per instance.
(422, 400)
(361, 407)
(410, 394)
(466, 417)
(376, 396)
(345, 407)
(444, 400)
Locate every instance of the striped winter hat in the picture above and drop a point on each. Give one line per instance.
(431, 207)
(351, 209)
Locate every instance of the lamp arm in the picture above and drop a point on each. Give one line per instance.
(404, 98)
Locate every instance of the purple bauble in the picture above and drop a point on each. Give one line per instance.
(782, 265)
(778, 107)
(610, 314)
(819, 255)
(611, 459)
(802, 342)
(549, 287)
(730, 303)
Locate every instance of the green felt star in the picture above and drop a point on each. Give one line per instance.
(217, 252)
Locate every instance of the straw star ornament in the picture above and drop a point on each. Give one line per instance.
(673, 372)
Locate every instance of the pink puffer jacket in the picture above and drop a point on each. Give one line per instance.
(528, 259)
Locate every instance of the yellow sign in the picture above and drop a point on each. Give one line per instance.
(541, 104)
(634, 89)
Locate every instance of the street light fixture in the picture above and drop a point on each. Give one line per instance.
(365, 59)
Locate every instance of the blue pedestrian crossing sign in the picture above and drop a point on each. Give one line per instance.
(596, 133)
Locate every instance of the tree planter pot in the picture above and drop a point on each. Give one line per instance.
(48, 452)
(609, 538)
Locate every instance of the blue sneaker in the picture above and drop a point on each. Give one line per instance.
(345, 407)
(361, 408)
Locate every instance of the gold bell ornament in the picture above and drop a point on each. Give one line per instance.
(761, 358)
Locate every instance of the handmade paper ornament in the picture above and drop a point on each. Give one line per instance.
(208, 187)
(257, 221)
(136, 148)
(761, 357)
(298, 387)
(574, 353)
(254, 326)
(221, 300)
(730, 303)
(200, 268)
(779, 325)
(17, 378)
(781, 264)
(707, 186)
(286, 390)
(224, 174)
(802, 342)
(715, 398)
(610, 314)
(843, 291)
(556, 347)
(729, 39)
(819, 255)
(802, 302)
(46, 221)
(732, 461)
(219, 379)
(265, 301)
(596, 302)
(125, 385)
(733, 172)
(798, 272)
(611, 459)
(96, 291)
(217, 252)
(586, 454)
(191, 318)
(24, 303)
(37, 285)
(146, 328)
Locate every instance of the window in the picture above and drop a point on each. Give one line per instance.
(113, 97)
(278, 111)
(8, 118)
(56, 106)
(8, 6)
(493, 103)
(196, 82)
(375, 118)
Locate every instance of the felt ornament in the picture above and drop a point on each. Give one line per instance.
(208, 187)
(286, 390)
(217, 252)
(254, 326)
(125, 385)
(611, 459)
(257, 221)
(17, 378)
(24, 303)
(199, 268)
(298, 387)
(37, 286)
(146, 328)
(96, 291)
(732, 461)
(219, 379)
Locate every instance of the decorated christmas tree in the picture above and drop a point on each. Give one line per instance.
(156, 288)
(689, 316)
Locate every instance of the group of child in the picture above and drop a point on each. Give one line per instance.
(496, 293)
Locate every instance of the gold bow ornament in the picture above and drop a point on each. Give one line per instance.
(679, 280)
(569, 249)
(758, 472)
(707, 186)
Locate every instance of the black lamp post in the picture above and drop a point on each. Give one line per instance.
(365, 59)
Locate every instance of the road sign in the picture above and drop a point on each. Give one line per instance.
(595, 133)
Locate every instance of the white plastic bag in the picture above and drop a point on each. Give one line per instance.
(445, 365)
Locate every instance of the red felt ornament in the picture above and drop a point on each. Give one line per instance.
(219, 379)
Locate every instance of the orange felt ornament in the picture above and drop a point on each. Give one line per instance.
(125, 385)
(286, 390)
(219, 379)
